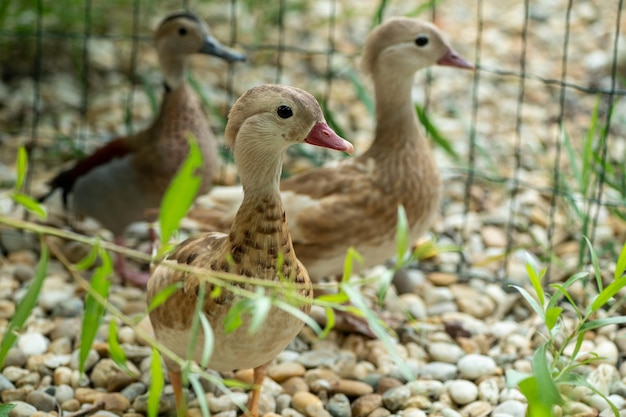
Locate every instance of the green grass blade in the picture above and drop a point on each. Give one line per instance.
(535, 281)
(351, 256)
(380, 11)
(362, 94)
(181, 192)
(5, 408)
(552, 316)
(260, 308)
(156, 385)
(115, 350)
(402, 237)
(22, 167)
(209, 341)
(434, 134)
(163, 295)
(93, 309)
(25, 306)
(424, 7)
(330, 322)
(30, 204)
(194, 380)
(234, 317)
(89, 260)
(594, 262)
(531, 301)
(594, 324)
(299, 314)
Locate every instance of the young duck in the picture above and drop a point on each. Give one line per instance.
(354, 203)
(127, 177)
(262, 124)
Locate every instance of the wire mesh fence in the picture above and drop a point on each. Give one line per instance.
(537, 133)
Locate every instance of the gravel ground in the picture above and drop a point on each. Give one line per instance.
(457, 336)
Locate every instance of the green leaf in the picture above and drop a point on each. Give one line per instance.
(181, 192)
(535, 280)
(594, 324)
(234, 317)
(434, 134)
(209, 341)
(194, 380)
(89, 260)
(25, 306)
(156, 386)
(514, 377)
(22, 167)
(330, 322)
(299, 314)
(351, 256)
(30, 204)
(163, 295)
(93, 309)
(5, 408)
(531, 301)
(552, 315)
(402, 236)
(338, 298)
(115, 350)
(620, 268)
(607, 293)
(384, 282)
(195, 323)
(596, 265)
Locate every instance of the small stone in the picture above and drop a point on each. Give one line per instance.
(309, 405)
(386, 383)
(133, 390)
(283, 371)
(127, 335)
(166, 403)
(5, 383)
(71, 405)
(511, 408)
(477, 409)
(32, 378)
(428, 387)
(442, 279)
(607, 353)
(15, 357)
(440, 371)
(395, 398)
(321, 379)
(22, 409)
(105, 413)
(71, 307)
(41, 401)
(493, 236)
(474, 366)
(462, 391)
(488, 391)
(339, 406)
(23, 272)
(362, 406)
(61, 393)
(61, 346)
(227, 402)
(86, 395)
(62, 376)
(295, 384)
(352, 388)
(13, 373)
(318, 357)
(379, 412)
(7, 309)
(413, 412)
(419, 401)
(290, 412)
(445, 352)
(113, 401)
(32, 343)
(282, 401)
(473, 302)
(92, 359)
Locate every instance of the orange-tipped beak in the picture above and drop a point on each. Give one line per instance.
(323, 135)
(453, 59)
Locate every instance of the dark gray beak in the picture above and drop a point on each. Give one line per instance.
(212, 47)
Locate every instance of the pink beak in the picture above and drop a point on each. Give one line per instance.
(322, 135)
(453, 59)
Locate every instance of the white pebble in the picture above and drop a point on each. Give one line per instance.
(33, 343)
(462, 391)
(488, 391)
(445, 352)
(474, 366)
(511, 408)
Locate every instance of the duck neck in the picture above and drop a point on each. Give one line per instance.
(173, 69)
(396, 120)
(259, 233)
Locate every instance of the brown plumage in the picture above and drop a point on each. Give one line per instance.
(262, 124)
(355, 202)
(122, 180)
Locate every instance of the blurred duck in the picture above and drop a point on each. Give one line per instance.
(262, 124)
(125, 179)
(354, 203)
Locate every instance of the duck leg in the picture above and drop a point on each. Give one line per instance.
(176, 380)
(122, 269)
(253, 402)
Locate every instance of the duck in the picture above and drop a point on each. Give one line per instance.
(124, 180)
(262, 124)
(354, 203)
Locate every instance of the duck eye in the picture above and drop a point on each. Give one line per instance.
(421, 40)
(284, 112)
(182, 31)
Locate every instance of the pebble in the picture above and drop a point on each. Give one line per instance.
(489, 391)
(23, 272)
(511, 408)
(15, 357)
(72, 307)
(63, 393)
(445, 352)
(440, 371)
(32, 343)
(113, 401)
(395, 398)
(13, 373)
(318, 357)
(283, 371)
(22, 409)
(226, 402)
(411, 412)
(363, 406)
(339, 406)
(386, 383)
(41, 401)
(352, 388)
(92, 359)
(429, 387)
(71, 405)
(474, 366)
(379, 412)
(7, 309)
(295, 384)
(462, 391)
(321, 379)
(309, 404)
(5, 383)
(134, 390)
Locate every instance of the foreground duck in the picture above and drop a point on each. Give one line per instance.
(124, 179)
(355, 203)
(262, 124)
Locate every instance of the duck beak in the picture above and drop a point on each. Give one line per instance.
(211, 46)
(323, 135)
(453, 59)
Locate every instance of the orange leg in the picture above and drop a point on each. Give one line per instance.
(253, 403)
(176, 380)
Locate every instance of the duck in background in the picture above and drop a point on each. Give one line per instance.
(122, 181)
(354, 203)
(262, 124)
